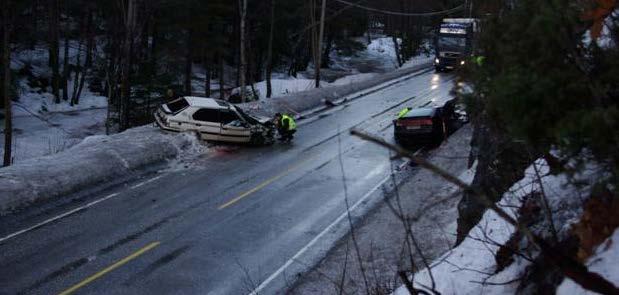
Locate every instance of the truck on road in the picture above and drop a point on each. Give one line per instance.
(454, 42)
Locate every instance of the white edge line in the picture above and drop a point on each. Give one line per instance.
(146, 182)
(63, 215)
(40, 224)
(316, 238)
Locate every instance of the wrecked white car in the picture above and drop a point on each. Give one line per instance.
(214, 120)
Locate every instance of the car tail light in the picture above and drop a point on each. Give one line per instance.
(414, 122)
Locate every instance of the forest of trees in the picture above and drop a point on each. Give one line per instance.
(133, 50)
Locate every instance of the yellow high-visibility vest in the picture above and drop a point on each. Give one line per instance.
(291, 123)
(403, 112)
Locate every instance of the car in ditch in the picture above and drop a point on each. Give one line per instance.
(429, 125)
(214, 120)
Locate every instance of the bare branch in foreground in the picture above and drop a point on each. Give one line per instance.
(570, 267)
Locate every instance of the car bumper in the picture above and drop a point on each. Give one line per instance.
(448, 63)
(408, 137)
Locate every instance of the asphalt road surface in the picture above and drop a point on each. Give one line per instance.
(231, 224)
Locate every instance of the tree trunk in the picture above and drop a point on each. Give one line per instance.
(369, 35)
(326, 51)
(91, 39)
(35, 24)
(54, 47)
(6, 56)
(188, 63)
(269, 65)
(243, 63)
(208, 62)
(65, 68)
(318, 64)
(78, 71)
(222, 83)
(126, 66)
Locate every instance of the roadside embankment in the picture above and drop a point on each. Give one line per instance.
(314, 100)
(96, 160)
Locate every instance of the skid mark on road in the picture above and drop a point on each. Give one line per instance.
(106, 250)
(165, 259)
(56, 274)
(264, 184)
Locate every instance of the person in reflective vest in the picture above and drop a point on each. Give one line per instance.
(286, 126)
(403, 112)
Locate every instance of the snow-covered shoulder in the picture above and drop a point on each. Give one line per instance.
(94, 161)
(471, 267)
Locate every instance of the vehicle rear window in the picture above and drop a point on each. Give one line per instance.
(177, 105)
(207, 115)
(421, 112)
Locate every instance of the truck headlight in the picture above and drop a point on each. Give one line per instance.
(436, 60)
(462, 63)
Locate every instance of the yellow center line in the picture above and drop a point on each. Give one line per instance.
(264, 184)
(110, 268)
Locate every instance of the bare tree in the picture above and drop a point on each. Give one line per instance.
(65, 64)
(243, 62)
(54, 24)
(568, 266)
(129, 16)
(6, 61)
(188, 62)
(269, 65)
(321, 33)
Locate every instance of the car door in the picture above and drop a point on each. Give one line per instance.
(208, 123)
(233, 127)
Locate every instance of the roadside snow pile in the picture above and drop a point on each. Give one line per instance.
(418, 60)
(309, 100)
(281, 87)
(94, 161)
(605, 262)
(354, 79)
(471, 268)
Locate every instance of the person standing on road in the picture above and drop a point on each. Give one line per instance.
(286, 127)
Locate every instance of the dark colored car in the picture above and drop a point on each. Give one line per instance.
(430, 125)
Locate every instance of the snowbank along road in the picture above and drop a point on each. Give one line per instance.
(242, 221)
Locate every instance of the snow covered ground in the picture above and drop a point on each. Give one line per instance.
(42, 127)
(471, 267)
(378, 58)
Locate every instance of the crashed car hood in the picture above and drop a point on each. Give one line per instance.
(262, 119)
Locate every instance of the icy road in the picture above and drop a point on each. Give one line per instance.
(246, 219)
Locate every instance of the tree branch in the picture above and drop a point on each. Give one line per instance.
(570, 267)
